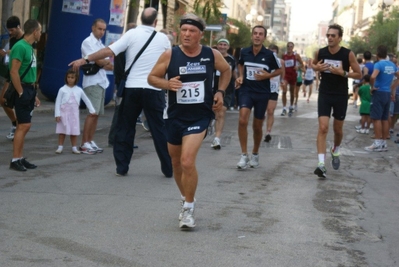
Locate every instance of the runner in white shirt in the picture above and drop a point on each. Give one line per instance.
(309, 77)
(275, 83)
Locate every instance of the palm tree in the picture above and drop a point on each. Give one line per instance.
(209, 8)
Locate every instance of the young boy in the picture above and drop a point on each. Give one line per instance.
(365, 98)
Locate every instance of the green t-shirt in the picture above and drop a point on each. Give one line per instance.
(365, 98)
(23, 52)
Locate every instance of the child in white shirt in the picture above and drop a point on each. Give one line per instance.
(67, 110)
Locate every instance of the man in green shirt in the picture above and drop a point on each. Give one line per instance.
(22, 59)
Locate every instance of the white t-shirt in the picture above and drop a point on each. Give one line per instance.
(89, 46)
(131, 42)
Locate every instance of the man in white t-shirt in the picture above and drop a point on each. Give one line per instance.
(138, 95)
(94, 85)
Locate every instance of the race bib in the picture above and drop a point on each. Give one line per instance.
(275, 84)
(251, 71)
(333, 63)
(191, 93)
(289, 63)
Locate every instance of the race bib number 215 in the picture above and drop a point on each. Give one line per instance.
(191, 93)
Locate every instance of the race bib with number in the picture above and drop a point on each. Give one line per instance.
(251, 71)
(333, 63)
(191, 93)
(289, 63)
(275, 84)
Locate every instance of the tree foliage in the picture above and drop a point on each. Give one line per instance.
(358, 45)
(383, 31)
(208, 8)
(240, 39)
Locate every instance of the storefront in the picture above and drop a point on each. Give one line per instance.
(66, 23)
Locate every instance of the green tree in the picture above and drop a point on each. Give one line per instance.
(384, 30)
(242, 38)
(208, 8)
(358, 45)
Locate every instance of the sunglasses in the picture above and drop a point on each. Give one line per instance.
(331, 35)
(290, 46)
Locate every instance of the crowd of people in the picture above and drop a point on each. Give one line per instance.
(183, 89)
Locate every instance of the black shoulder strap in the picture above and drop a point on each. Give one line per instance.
(26, 71)
(140, 52)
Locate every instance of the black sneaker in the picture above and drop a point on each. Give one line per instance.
(267, 138)
(335, 162)
(284, 112)
(27, 164)
(17, 165)
(321, 172)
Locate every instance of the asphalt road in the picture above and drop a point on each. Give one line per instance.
(73, 211)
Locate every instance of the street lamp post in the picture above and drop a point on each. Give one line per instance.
(386, 4)
(252, 17)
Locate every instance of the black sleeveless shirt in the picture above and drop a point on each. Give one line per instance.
(332, 83)
(194, 101)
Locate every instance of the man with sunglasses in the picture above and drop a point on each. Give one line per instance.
(333, 63)
(291, 60)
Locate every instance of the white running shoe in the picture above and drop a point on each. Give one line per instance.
(242, 164)
(182, 200)
(87, 149)
(254, 162)
(96, 147)
(10, 135)
(187, 221)
(216, 143)
(375, 147)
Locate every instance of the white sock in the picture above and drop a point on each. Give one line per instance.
(336, 149)
(74, 148)
(321, 158)
(60, 147)
(189, 205)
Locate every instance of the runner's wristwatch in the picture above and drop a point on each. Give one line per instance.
(221, 91)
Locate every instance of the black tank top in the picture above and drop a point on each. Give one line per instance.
(332, 83)
(194, 101)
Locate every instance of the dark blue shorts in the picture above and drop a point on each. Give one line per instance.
(308, 82)
(258, 101)
(176, 129)
(338, 104)
(379, 106)
(25, 104)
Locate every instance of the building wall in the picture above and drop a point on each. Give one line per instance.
(21, 9)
